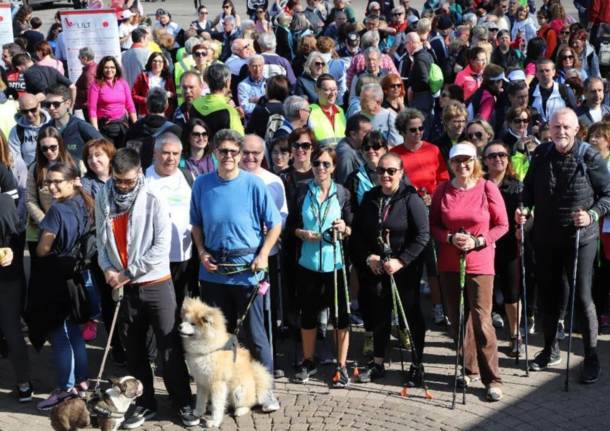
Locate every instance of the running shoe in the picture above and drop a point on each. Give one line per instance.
(56, 397)
(372, 372)
(24, 393)
(137, 417)
(545, 359)
(497, 320)
(415, 376)
(306, 370)
(342, 379)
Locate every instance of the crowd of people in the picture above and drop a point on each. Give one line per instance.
(331, 155)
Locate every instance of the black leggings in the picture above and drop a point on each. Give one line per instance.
(377, 294)
(552, 263)
(316, 292)
(507, 279)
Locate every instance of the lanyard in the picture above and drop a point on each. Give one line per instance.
(384, 210)
(317, 211)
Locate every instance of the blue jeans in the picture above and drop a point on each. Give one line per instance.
(69, 354)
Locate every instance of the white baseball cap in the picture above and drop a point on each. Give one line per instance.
(462, 150)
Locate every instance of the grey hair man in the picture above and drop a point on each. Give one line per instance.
(173, 185)
(274, 63)
(382, 119)
(358, 64)
(296, 114)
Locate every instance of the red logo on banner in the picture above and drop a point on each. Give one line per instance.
(68, 22)
(105, 24)
(1, 18)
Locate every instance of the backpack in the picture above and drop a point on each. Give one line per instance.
(274, 123)
(144, 145)
(604, 53)
(435, 78)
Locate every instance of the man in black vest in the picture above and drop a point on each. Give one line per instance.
(569, 185)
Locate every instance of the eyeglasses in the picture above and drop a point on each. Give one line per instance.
(125, 181)
(47, 148)
(224, 152)
(55, 104)
(397, 14)
(319, 63)
(29, 111)
(494, 29)
(301, 146)
(521, 120)
(461, 161)
(200, 53)
(416, 129)
(199, 134)
(501, 155)
(53, 182)
(567, 57)
(308, 109)
(475, 135)
(252, 153)
(564, 32)
(374, 147)
(390, 171)
(320, 163)
(395, 85)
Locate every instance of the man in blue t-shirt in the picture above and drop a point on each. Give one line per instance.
(235, 223)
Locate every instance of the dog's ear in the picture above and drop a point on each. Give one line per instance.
(115, 381)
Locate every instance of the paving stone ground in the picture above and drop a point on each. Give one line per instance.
(536, 403)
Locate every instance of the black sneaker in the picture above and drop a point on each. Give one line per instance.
(415, 376)
(187, 417)
(24, 394)
(590, 370)
(517, 349)
(373, 371)
(306, 370)
(137, 417)
(545, 359)
(341, 378)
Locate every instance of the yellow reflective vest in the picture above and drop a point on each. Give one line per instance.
(323, 130)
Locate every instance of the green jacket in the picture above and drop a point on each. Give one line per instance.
(211, 103)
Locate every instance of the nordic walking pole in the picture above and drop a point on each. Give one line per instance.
(524, 294)
(573, 291)
(460, 334)
(336, 304)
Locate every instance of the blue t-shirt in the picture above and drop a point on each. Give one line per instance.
(68, 221)
(232, 215)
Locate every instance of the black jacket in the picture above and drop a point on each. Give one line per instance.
(506, 247)
(420, 70)
(407, 221)
(558, 184)
(144, 132)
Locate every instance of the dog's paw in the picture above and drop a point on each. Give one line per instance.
(211, 423)
(240, 411)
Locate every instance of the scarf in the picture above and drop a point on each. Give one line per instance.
(122, 202)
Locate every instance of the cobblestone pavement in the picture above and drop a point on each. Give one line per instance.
(535, 403)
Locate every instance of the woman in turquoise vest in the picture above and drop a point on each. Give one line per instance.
(320, 208)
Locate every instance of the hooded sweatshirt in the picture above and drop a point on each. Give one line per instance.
(215, 110)
(26, 149)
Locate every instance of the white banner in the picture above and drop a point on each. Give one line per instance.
(96, 29)
(6, 24)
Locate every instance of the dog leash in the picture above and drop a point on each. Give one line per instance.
(117, 295)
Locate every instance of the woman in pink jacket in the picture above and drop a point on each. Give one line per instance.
(471, 77)
(468, 216)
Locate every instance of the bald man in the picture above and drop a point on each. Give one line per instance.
(30, 119)
(418, 93)
(253, 154)
(569, 185)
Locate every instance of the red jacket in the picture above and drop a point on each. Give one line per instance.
(82, 84)
(139, 92)
(424, 167)
(599, 11)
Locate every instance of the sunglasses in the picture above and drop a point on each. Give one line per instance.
(228, 152)
(53, 182)
(302, 146)
(200, 53)
(55, 104)
(462, 160)
(565, 32)
(125, 181)
(494, 29)
(199, 134)
(475, 135)
(29, 111)
(397, 14)
(395, 85)
(374, 147)
(320, 163)
(390, 171)
(319, 63)
(501, 155)
(416, 129)
(521, 120)
(567, 57)
(47, 148)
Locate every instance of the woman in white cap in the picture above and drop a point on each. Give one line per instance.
(467, 217)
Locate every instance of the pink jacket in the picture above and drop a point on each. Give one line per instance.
(110, 100)
(469, 81)
(480, 211)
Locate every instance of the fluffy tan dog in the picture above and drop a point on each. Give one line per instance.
(224, 372)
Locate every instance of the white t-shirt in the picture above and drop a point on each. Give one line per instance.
(596, 114)
(175, 190)
(278, 193)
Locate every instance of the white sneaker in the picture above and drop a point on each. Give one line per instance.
(270, 403)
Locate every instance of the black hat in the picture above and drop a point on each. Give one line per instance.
(444, 23)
